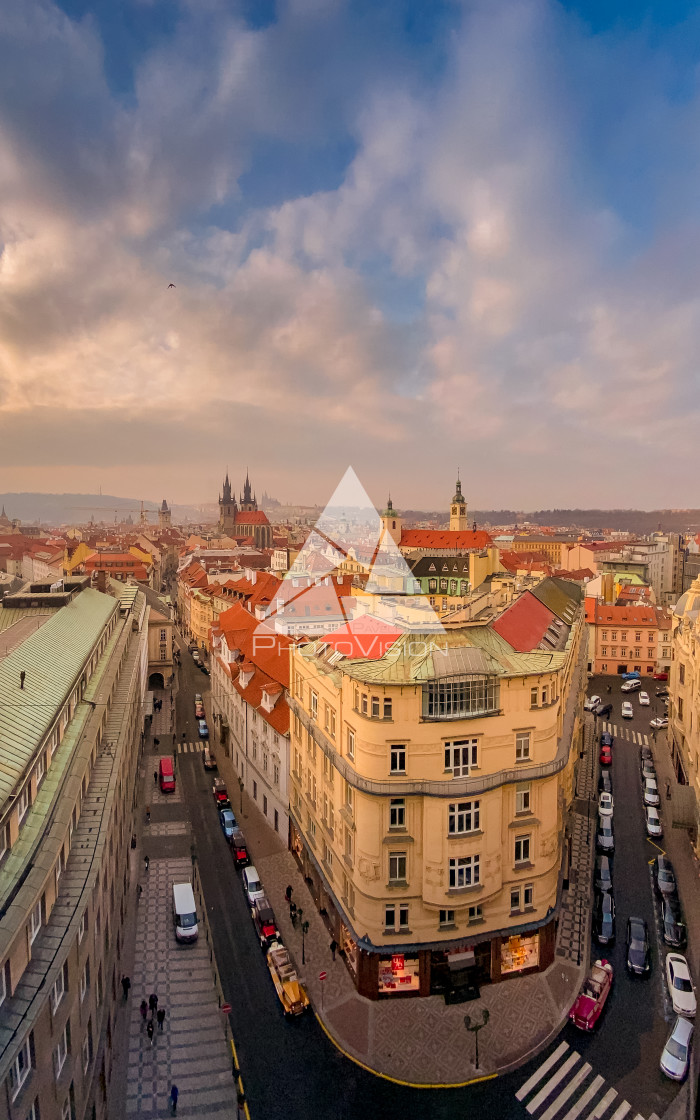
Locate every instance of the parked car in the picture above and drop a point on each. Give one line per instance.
(672, 925)
(644, 699)
(202, 729)
(645, 755)
(664, 878)
(592, 703)
(252, 886)
(605, 756)
(638, 947)
(603, 710)
(195, 657)
(604, 917)
(606, 739)
(208, 759)
(680, 985)
(228, 822)
(264, 922)
(648, 770)
(605, 781)
(631, 686)
(605, 840)
(627, 710)
(204, 669)
(633, 675)
(659, 723)
(605, 805)
(199, 712)
(651, 792)
(653, 822)
(661, 676)
(663, 693)
(603, 874)
(676, 1053)
(590, 1002)
(291, 994)
(198, 698)
(220, 795)
(239, 849)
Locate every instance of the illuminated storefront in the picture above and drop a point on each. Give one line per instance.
(520, 953)
(398, 973)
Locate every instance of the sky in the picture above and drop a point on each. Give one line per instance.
(405, 237)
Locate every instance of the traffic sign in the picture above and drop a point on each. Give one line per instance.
(225, 1008)
(322, 975)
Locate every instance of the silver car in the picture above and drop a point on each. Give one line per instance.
(654, 826)
(676, 1052)
(651, 792)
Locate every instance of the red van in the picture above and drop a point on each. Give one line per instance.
(166, 775)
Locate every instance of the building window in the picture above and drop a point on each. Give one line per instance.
(463, 817)
(40, 769)
(35, 922)
(314, 705)
(522, 797)
(604, 651)
(85, 980)
(528, 896)
(22, 804)
(533, 697)
(458, 699)
(475, 913)
(19, 1070)
(638, 636)
(327, 856)
(522, 746)
(403, 917)
(681, 674)
(82, 928)
(515, 900)
(545, 696)
(464, 871)
(390, 917)
(255, 791)
(348, 845)
(59, 989)
(397, 867)
(351, 745)
(447, 917)
(605, 635)
(397, 813)
(375, 707)
(680, 708)
(461, 757)
(61, 1052)
(363, 705)
(522, 849)
(33, 1113)
(397, 763)
(332, 726)
(265, 804)
(387, 707)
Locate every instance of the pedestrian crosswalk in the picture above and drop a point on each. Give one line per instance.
(627, 733)
(191, 748)
(562, 1080)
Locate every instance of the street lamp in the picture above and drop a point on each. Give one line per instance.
(476, 1027)
(304, 931)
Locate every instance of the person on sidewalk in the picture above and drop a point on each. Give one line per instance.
(144, 1010)
(160, 1017)
(126, 984)
(148, 814)
(147, 861)
(668, 790)
(293, 912)
(153, 1003)
(333, 946)
(155, 777)
(288, 895)
(149, 1031)
(174, 1094)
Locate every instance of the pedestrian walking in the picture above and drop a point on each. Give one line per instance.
(156, 742)
(126, 984)
(668, 790)
(155, 777)
(174, 740)
(333, 947)
(148, 814)
(160, 1016)
(174, 1094)
(293, 912)
(149, 1031)
(288, 895)
(133, 841)
(153, 1002)
(144, 1010)
(139, 892)
(146, 860)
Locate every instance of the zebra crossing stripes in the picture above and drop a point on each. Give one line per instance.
(626, 733)
(191, 748)
(563, 1080)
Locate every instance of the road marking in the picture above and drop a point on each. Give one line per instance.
(615, 730)
(622, 1111)
(551, 1085)
(567, 1092)
(586, 1098)
(646, 740)
(602, 1105)
(541, 1071)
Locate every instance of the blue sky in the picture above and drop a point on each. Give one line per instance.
(404, 236)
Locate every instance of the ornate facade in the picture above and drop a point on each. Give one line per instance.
(243, 518)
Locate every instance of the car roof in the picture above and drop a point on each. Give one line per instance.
(679, 964)
(682, 1029)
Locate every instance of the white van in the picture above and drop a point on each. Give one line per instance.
(184, 912)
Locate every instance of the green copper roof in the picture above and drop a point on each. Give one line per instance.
(52, 658)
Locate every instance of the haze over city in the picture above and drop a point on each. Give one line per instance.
(401, 236)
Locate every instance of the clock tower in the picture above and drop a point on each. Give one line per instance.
(458, 510)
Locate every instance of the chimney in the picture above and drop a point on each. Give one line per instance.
(101, 580)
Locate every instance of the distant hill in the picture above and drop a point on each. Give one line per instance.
(72, 509)
(626, 520)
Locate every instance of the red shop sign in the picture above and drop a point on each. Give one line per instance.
(397, 962)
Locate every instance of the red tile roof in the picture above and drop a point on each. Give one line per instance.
(365, 637)
(628, 614)
(253, 517)
(524, 624)
(444, 538)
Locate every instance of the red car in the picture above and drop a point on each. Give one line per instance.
(220, 795)
(660, 676)
(591, 999)
(199, 712)
(605, 756)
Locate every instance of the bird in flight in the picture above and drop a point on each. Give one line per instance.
(172, 285)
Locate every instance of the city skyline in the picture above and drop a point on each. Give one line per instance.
(399, 238)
